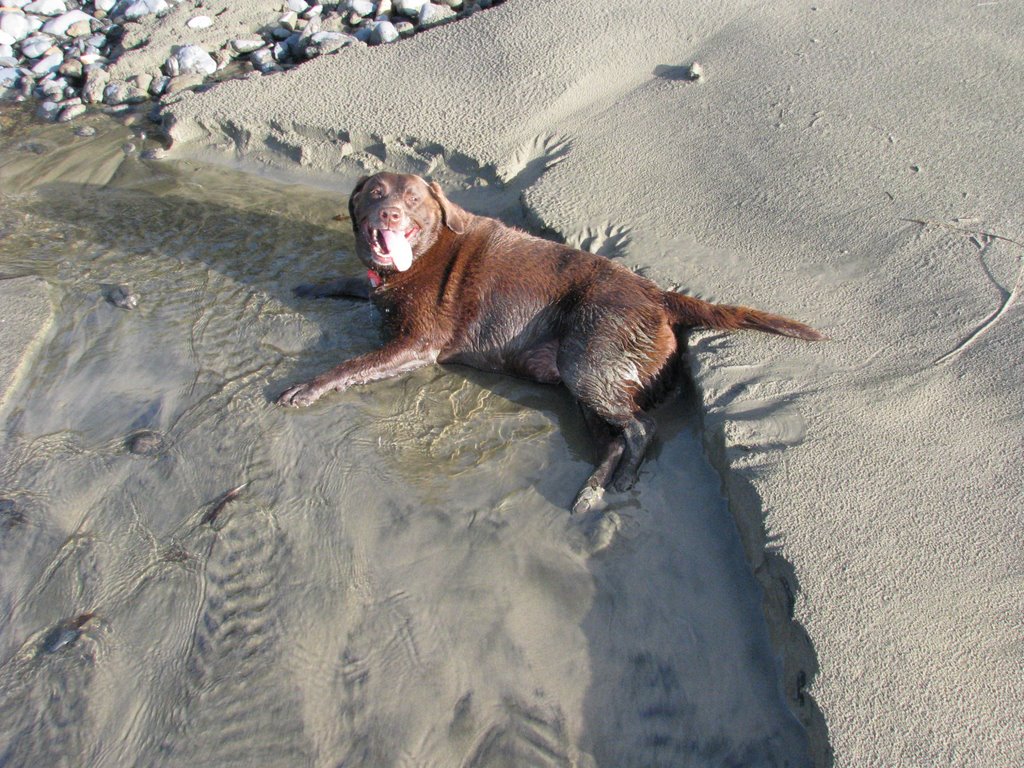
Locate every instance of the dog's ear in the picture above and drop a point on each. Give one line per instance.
(454, 217)
(352, 198)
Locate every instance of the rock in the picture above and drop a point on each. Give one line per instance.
(453, 4)
(328, 42)
(190, 60)
(106, 6)
(79, 29)
(7, 57)
(297, 6)
(410, 8)
(383, 32)
(52, 89)
(136, 10)
(359, 7)
(263, 60)
(85, 132)
(60, 25)
(184, 83)
(48, 110)
(289, 21)
(122, 297)
(46, 7)
(49, 63)
(71, 68)
(9, 77)
(95, 84)
(35, 46)
(157, 153)
(70, 112)
(119, 92)
(312, 11)
(242, 46)
(6, 39)
(159, 85)
(384, 8)
(405, 28)
(432, 14)
(17, 25)
(695, 72)
(199, 22)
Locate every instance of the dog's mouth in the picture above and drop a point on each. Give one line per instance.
(392, 247)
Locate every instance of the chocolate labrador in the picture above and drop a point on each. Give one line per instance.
(454, 287)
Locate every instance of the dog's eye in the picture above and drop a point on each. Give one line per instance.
(414, 199)
(376, 193)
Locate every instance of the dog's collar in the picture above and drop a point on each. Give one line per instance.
(375, 278)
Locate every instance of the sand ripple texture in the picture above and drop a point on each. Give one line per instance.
(397, 583)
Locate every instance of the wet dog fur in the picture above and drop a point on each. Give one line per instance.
(486, 295)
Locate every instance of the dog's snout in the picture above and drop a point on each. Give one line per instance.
(390, 215)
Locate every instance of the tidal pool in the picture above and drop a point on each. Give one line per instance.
(397, 581)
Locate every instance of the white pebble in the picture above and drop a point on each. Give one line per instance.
(35, 46)
(199, 22)
(59, 25)
(17, 25)
(48, 64)
(46, 7)
(190, 60)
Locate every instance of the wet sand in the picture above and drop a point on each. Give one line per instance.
(398, 581)
(854, 165)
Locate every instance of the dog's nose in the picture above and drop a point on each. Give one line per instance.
(389, 216)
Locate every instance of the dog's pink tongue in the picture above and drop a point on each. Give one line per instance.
(398, 249)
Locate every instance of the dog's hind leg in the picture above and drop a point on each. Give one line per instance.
(611, 446)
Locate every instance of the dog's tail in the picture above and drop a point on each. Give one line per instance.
(689, 312)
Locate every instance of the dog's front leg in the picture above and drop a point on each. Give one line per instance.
(390, 360)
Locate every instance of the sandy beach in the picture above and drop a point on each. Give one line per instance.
(856, 166)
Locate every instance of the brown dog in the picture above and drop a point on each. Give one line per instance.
(453, 287)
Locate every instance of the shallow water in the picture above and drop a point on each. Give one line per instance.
(398, 583)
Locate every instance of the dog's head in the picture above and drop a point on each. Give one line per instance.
(397, 217)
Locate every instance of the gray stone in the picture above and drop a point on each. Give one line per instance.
(432, 14)
(313, 11)
(190, 60)
(405, 28)
(9, 77)
(327, 42)
(35, 46)
(46, 7)
(159, 85)
(263, 60)
(60, 25)
(7, 58)
(27, 315)
(85, 132)
(48, 64)
(360, 7)
(6, 38)
(48, 110)
(136, 10)
(384, 8)
(120, 92)
(289, 21)
(17, 25)
(95, 83)
(383, 32)
(410, 8)
(247, 46)
(70, 112)
(297, 6)
(199, 22)
(72, 68)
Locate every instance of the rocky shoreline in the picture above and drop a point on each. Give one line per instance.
(117, 54)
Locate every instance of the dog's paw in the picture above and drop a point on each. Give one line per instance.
(587, 499)
(624, 480)
(301, 394)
